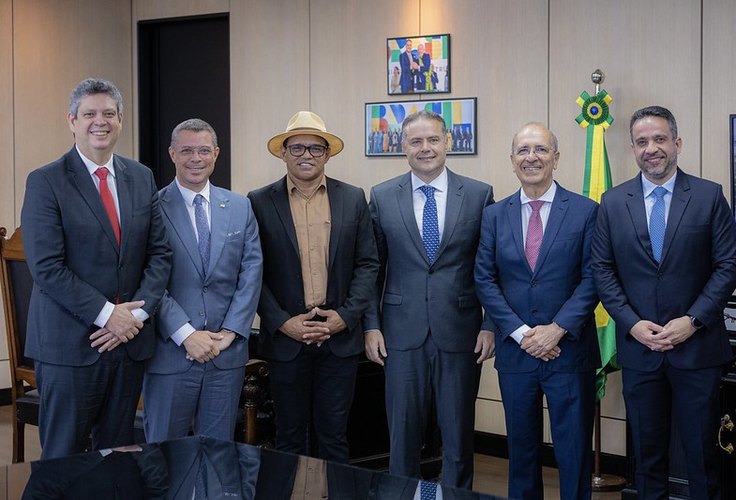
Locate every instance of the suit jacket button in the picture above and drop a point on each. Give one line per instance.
(534, 312)
(204, 289)
(201, 313)
(533, 284)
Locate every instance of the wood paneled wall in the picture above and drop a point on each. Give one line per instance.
(524, 60)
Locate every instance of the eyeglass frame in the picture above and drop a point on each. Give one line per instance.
(203, 152)
(307, 147)
(538, 150)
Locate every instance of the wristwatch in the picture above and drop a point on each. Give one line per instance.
(697, 324)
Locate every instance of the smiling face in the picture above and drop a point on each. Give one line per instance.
(96, 127)
(194, 155)
(304, 170)
(425, 146)
(655, 148)
(534, 159)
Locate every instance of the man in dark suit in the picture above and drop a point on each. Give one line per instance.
(320, 266)
(196, 376)
(664, 262)
(425, 323)
(534, 280)
(408, 63)
(98, 254)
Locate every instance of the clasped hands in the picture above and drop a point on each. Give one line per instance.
(204, 345)
(541, 341)
(315, 326)
(121, 327)
(663, 338)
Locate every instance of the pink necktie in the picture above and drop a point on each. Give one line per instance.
(108, 202)
(534, 234)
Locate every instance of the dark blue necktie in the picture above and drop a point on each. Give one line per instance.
(430, 226)
(656, 223)
(203, 231)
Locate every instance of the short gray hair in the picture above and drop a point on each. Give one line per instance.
(194, 125)
(423, 115)
(92, 86)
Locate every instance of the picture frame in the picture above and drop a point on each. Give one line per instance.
(383, 122)
(732, 143)
(425, 70)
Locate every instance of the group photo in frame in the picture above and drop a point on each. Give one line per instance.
(383, 124)
(418, 64)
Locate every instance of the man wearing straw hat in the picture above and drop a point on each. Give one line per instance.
(320, 266)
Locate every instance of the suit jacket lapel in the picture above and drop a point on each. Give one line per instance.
(405, 201)
(453, 207)
(280, 198)
(125, 202)
(86, 186)
(513, 212)
(557, 213)
(336, 199)
(220, 215)
(638, 214)
(680, 200)
(174, 208)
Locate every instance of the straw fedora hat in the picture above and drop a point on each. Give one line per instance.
(305, 122)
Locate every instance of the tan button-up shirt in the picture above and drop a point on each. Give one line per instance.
(312, 224)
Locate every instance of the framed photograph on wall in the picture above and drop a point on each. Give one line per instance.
(418, 64)
(732, 143)
(383, 124)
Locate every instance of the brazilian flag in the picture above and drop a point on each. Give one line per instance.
(595, 120)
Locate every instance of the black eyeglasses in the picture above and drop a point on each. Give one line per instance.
(316, 150)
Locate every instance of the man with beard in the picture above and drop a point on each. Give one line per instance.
(664, 262)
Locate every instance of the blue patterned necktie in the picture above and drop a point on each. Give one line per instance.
(430, 226)
(203, 231)
(656, 223)
(427, 490)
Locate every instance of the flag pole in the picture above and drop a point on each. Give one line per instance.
(601, 482)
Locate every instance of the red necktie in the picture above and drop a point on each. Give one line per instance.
(108, 202)
(534, 233)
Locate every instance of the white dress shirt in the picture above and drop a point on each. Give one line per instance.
(526, 213)
(440, 197)
(184, 331)
(104, 316)
(648, 187)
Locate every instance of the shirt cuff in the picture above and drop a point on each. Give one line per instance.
(182, 333)
(140, 314)
(105, 314)
(518, 334)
